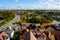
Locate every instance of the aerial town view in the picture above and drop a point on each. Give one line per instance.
(29, 19)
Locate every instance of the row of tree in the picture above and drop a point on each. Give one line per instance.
(6, 16)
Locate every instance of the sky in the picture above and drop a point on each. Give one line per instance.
(30, 4)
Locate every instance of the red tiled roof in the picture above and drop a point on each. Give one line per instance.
(43, 35)
(24, 23)
(45, 24)
(56, 33)
(25, 35)
(3, 34)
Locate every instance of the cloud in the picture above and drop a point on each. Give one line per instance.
(51, 6)
(46, 5)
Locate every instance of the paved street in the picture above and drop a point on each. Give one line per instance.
(17, 18)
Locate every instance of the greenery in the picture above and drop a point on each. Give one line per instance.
(17, 35)
(31, 16)
(35, 17)
(18, 22)
(6, 16)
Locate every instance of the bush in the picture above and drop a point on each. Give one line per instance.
(34, 20)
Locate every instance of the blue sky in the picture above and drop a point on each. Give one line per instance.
(30, 4)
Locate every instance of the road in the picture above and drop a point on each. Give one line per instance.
(17, 18)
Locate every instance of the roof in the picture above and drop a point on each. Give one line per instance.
(25, 36)
(23, 23)
(56, 33)
(8, 32)
(44, 25)
(32, 37)
(3, 34)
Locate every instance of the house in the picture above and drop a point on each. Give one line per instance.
(32, 37)
(36, 36)
(26, 35)
(8, 31)
(43, 25)
(12, 34)
(42, 36)
(4, 36)
(56, 34)
(51, 36)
